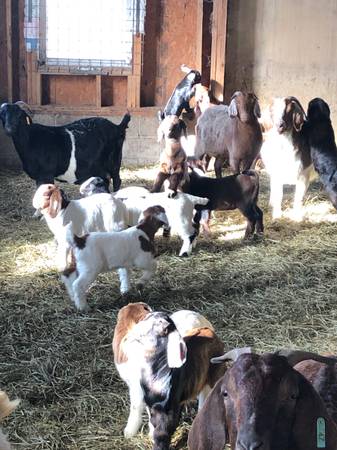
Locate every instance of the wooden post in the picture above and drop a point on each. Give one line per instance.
(198, 64)
(134, 79)
(218, 54)
(10, 95)
(98, 91)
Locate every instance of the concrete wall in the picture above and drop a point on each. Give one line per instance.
(281, 48)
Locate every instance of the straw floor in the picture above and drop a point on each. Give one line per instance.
(278, 291)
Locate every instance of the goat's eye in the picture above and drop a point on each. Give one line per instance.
(225, 394)
(294, 396)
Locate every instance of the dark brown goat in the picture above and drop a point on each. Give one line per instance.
(262, 403)
(323, 377)
(173, 158)
(231, 133)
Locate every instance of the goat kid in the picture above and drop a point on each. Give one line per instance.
(173, 158)
(235, 191)
(181, 94)
(99, 252)
(286, 154)
(263, 403)
(71, 153)
(99, 212)
(163, 369)
(322, 144)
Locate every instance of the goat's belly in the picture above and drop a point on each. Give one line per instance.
(69, 175)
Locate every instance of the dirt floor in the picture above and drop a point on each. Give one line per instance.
(276, 291)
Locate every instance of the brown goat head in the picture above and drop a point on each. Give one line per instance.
(48, 199)
(245, 106)
(289, 115)
(262, 403)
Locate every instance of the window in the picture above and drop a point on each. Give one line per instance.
(84, 35)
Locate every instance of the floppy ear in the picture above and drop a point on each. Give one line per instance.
(176, 350)
(299, 116)
(208, 430)
(160, 133)
(312, 427)
(257, 111)
(233, 110)
(55, 203)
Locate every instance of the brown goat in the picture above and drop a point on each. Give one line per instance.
(231, 133)
(263, 403)
(173, 158)
(323, 377)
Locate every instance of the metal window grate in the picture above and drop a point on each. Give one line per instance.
(83, 36)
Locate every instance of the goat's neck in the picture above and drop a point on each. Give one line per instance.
(149, 226)
(172, 146)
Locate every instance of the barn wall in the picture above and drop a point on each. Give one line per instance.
(283, 47)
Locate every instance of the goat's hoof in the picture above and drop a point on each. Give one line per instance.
(184, 255)
(83, 309)
(171, 193)
(129, 433)
(140, 286)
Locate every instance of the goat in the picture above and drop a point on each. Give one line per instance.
(179, 211)
(162, 368)
(285, 153)
(323, 378)
(6, 407)
(99, 212)
(72, 153)
(230, 133)
(263, 403)
(173, 158)
(322, 145)
(235, 191)
(181, 94)
(100, 252)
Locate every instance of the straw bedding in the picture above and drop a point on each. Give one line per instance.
(277, 291)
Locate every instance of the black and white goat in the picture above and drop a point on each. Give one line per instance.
(163, 368)
(72, 153)
(99, 252)
(323, 146)
(182, 94)
(99, 212)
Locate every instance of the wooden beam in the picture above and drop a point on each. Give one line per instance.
(133, 100)
(218, 54)
(98, 91)
(9, 50)
(198, 56)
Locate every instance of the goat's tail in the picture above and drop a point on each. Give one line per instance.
(125, 121)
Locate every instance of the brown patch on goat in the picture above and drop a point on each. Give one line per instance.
(203, 344)
(145, 245)
(150, 224)
(127, 317)
(80, 241)
(6, 405)
(72, 266)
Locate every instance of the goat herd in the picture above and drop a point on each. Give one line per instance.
(274, 401)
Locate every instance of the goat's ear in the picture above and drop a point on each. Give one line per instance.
(233, 110)
(160, 115)
(257, 110)
(160, 133)
(176, 350)
(208, 430)
(55, 203)
(310, 414)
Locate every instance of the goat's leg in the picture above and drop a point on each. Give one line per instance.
(80, 287)
(136, 410)
(146, 275)
(276, 194)
(161, 177)
(124, 279)
(175, 180)
(151, 427)
(203, 395)
(218, 165)
(259, 219)
(249, 212)
(68, 280)
(300, 190)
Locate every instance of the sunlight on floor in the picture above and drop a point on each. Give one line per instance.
(36, 258)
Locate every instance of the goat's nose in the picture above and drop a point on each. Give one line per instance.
(257, 444)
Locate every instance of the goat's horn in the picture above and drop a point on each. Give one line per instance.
(25, 107)
(296, 356)
(231, 355)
